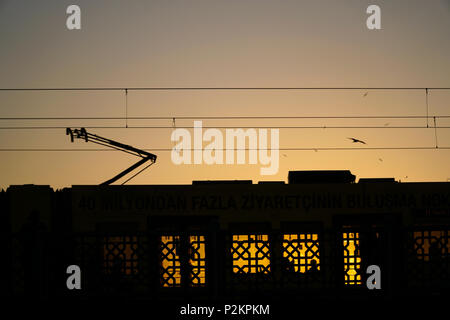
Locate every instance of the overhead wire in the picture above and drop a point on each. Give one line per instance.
(226, 117)
(227, 127)
(235, 149)
(214, 88)
(427, 89)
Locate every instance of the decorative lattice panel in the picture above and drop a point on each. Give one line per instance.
(250, 254)
(352, 258)
(300, 263)
(428, 258)
(301, 253)
(170, 264)
(429, 245)
(197, 261)
(120, 255)
(176, 261)
(111, 263)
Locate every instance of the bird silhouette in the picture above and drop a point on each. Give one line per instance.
(357, 140)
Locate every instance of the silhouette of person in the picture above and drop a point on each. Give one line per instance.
(189, 267)
(287, 265)
(313, 271)
(314, 267)
(118, 266)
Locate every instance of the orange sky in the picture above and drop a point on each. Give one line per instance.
(244, 43)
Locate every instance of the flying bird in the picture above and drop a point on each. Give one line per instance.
(356, 140)
(365, 94)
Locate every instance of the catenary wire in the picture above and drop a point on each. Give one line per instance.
(227, 117)
(215, 88)
(235, 149)
(230, 127)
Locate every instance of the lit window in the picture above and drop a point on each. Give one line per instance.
(352, 259)
(171, 258)
(120, 256)
(170, 261)
(197, 261)
(250, 254)
(301, 253)
(431, 244)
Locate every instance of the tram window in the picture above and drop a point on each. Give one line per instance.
(170, 261)
(171, 258)
(197, 261)
(251, 253)
(352, 259)
(301, 252)
(120, 255)
(430, 244)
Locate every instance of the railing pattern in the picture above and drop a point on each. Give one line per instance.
(137, 264)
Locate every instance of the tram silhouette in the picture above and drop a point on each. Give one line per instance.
(314, 236)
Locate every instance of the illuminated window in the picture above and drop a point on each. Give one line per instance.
(120, 255)
(301, 253)
(172, 257)
(170, 261)
(250, 254)
(431, 244)
(197, 261)
(352, 259)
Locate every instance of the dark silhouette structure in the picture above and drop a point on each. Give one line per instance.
(89, 137)
(313, 237)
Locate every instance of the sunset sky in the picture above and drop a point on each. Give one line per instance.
(232, 43)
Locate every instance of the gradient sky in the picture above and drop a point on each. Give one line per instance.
(244, 43)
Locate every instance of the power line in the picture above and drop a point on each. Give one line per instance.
(225, 117)
(235, 149)
(220, 118)
(216, 88)
(227, 127)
